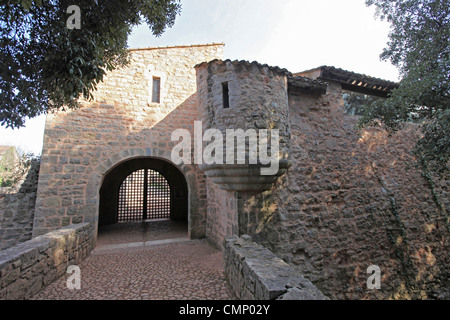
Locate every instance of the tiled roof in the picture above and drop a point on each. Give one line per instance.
(295, 83)
(307, 85)
(315, 80)
(353, 81)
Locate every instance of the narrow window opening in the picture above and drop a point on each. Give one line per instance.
(156, 90)
(226, 96)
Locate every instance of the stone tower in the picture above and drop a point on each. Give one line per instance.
(246, 102)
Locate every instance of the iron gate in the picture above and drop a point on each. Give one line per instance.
(143, 195)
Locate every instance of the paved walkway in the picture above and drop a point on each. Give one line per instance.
(146, 261)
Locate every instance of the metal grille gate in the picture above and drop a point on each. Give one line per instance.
(144, 194)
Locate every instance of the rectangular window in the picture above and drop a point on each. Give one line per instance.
(226, 95)
(156, 93)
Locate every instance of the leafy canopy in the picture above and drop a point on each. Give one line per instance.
(419, 46)
(45, 66)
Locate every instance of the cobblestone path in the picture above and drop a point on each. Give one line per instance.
(156, 269)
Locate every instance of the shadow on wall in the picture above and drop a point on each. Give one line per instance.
(350, 201)
(97, 138)
(148, 144)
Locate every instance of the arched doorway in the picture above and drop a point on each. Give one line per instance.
(143, 189)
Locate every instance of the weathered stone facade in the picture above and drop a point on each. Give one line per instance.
(30, 266)
(351, 200)
(342, 200)
(257, 97)
(17, 205)
(81, 146)
(255, 273)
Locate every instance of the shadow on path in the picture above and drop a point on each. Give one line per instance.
(132, 232)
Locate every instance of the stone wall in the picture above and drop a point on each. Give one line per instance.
(122, 123)
(30, 266)
(17, 204)
(222, 215)
(257, 101)
(351, 200)
(255, 273)
(257, 97)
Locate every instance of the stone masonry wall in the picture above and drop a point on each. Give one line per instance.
(27, 268)
(353, 200)
(257, 100)
(81, 146)
(349, 200)
(255, 273)
(222, 214)
(257, 97)
(17, 209)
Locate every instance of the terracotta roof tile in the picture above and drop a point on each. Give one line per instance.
(353, 81)
(307, 85)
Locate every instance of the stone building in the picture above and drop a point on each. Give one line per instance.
(339, 201)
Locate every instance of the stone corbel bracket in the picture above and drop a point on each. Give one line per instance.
(245, 177)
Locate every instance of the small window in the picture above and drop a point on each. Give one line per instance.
(156, 93)
(226, 96)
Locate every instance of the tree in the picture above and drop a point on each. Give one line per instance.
(419, 47)
(46, 64)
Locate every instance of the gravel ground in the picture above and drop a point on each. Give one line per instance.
(140, 265)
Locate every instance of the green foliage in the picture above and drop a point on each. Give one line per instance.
(420, 47)
(8, 160)
(44, 66)
(435, 144)
(355, 103)
(13, 167)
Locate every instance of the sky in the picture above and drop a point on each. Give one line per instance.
(294, 34)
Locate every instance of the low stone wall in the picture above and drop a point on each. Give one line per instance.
(255, 273)
(27, 268)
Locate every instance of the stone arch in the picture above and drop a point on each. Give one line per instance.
(109, 190)
(92, 192)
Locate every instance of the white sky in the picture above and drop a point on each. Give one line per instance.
(292, 34)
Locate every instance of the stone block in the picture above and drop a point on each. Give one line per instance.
(29, 258)
(8, 276)
(254, 272)
(16, 290)
(296, 294)
(51, 202)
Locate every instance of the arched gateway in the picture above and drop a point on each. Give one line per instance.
(143, 189)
